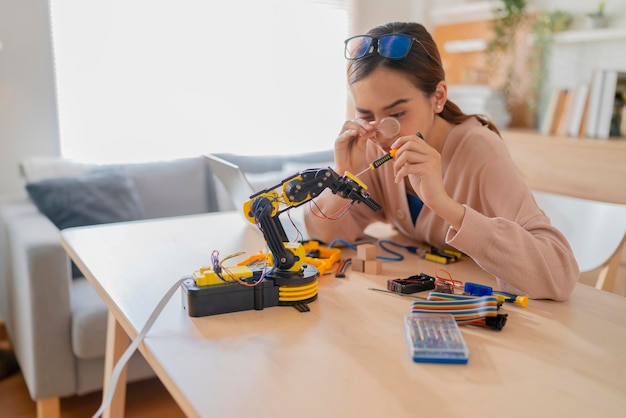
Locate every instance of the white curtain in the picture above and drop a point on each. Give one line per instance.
(141, 80)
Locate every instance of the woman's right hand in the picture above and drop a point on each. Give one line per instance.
(350, 145)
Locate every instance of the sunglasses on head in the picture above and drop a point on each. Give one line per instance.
(393, 46)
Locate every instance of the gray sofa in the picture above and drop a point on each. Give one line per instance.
(56, 322)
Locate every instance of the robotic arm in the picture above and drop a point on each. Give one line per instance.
(291, 281)
(265, 207)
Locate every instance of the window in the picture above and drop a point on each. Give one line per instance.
(141, 80)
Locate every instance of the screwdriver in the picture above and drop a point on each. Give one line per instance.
(378, 162)
(382, 160)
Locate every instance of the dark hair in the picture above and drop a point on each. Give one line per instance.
(422, 65)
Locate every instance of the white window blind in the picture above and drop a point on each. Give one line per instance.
(140, 80)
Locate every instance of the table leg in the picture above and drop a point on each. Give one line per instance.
(117, 342)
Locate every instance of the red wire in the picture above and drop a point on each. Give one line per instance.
(342, 211)
(449, 282)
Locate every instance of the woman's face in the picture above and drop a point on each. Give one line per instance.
(386, 93)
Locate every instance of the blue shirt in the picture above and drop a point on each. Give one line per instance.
(415, 206)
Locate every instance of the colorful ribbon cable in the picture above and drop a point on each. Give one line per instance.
(466, 310)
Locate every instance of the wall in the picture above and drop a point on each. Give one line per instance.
(28, 122)
(369, 13)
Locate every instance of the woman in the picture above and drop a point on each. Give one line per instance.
(455, 188)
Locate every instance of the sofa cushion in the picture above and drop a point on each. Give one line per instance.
(100, 196)
(277, 163)
(177, 187)
(96, 197)
(183, 186)
(38, 168)
(89, 321)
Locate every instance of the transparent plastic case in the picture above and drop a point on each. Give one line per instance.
(435, 338)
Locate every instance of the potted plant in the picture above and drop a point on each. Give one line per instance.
(509, 31)
(546, 24)
(596, 18)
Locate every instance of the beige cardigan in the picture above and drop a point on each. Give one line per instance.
(503, 230)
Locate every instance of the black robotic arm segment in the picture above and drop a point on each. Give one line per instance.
(273, 232)
(353, 189)
(308, 184)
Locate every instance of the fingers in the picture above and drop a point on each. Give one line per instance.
(414, 156)
(410, 139)
(357, 130)
(344, 146)
(347, 135)
(362, 125)
(350, 144)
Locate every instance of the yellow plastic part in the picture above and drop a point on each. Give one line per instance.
(255, 258)
(501, 298)
(272, 196)
(355, 179)
(298, 250)
(519, 300)
(327, 256)
(325, 262)
(296, 293)
(206, 276)
(522, 300)
(455, 253)
(284, 192)
(436, 258)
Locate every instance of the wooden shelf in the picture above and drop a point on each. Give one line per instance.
(580, 167)
(590, 35)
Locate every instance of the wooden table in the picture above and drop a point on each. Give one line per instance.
(348, 357)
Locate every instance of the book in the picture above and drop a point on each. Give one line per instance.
(566, 112)
(575, 120)
(559, 112)
(551, 110)
(614, 84)
(595, 92)
(583, 122)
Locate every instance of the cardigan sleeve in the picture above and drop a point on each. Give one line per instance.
(533, 259)
(503, 230)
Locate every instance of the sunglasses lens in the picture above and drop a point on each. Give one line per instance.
(357, 47)
(394, 46)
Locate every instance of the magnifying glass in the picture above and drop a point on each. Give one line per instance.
(388, 128)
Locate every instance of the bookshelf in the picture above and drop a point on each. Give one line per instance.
(576, 166)
(462, 30)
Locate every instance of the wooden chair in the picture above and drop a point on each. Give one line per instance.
(595, 230)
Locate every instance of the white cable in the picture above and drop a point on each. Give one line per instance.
(121, 363)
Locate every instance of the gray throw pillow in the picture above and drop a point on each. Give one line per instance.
(97, 197)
